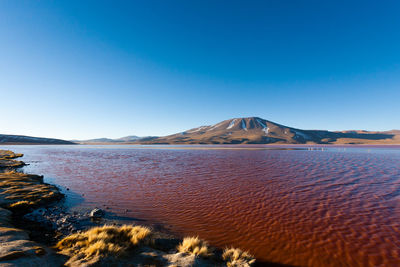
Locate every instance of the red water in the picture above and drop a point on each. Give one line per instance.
(337, 207)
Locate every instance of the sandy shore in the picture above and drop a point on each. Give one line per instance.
(37, 230)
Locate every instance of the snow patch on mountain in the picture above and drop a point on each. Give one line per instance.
(265, 129)
(231, 124)
(244, 125)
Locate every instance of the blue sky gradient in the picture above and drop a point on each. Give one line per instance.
(86, 69)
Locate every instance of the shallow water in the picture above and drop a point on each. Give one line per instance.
(330, 206)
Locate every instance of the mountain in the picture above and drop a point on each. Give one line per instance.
(22, 139)
(254, 130)
(122, 140)
(130, 138)
(96, 140)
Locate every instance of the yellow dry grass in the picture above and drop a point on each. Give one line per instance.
(21, 190)
(195, 246)
(7, 160)
(8, 154)
(236, 257)
(105, 241)
(21, 204)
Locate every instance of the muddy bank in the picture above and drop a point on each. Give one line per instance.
(36, 230)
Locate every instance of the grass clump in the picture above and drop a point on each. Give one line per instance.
(235, 257)
(21, 204)
(194, 246)
(105, 241)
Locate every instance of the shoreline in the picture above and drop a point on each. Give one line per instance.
(34, 213)
(19, 193)
(182, 145)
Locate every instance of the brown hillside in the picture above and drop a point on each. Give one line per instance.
(254, 130)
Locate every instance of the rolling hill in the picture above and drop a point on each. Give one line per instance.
(254, 130)
(126, 139)
(29, 140)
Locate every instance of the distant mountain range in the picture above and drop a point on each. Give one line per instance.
(22, 139)
(254, 130)
(126, 139)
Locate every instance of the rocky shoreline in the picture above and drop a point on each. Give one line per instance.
(36, 230)
(19, 194)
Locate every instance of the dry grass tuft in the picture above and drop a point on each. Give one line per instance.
(105, 241)
(195, 246)
(236, 257)
(21, 204)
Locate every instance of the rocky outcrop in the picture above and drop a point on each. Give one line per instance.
(17, 250)
(97, 213)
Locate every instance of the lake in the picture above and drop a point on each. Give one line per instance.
(306, 206)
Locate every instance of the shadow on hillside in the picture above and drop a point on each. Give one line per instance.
(380, 136)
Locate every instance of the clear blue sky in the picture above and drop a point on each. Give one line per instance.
(85, 69)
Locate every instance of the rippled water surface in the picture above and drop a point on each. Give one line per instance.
(332, 207)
